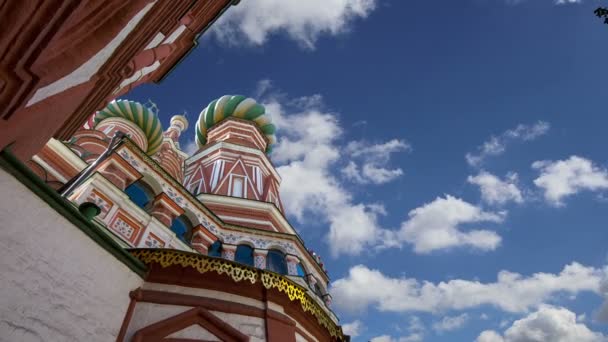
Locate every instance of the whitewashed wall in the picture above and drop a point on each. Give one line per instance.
(57, 283)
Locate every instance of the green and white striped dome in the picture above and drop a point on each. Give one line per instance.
(136, 113)
(239, 107)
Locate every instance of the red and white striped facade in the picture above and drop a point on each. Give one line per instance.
(233, 166)
(228, 189)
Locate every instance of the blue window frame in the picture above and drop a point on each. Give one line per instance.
(182, 227)
(244, 255)
(301, 270)
(275, 261)
(140, 193)
(215, 250)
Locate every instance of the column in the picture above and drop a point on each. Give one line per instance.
(259, 258)
(292, 263)
(312, 281)
(118, 172)
(165, 209)
(202, 239)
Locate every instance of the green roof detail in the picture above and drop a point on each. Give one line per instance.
(141, 116)
(237, 106)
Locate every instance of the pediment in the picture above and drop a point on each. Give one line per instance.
(194, 325)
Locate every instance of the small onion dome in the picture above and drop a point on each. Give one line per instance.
(136, 113)
(180, 120)
(239, 107)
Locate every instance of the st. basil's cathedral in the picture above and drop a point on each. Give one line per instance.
(110, 231)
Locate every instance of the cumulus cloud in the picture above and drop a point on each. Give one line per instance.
(497, 145)
(496, 191)
(369, 162)
(450, 323)
(511, 292)
(436, 225)
(353, 329)
(307, 151)
(564, 2)
(302, 21)
(548, 323)
(415, 331)
(388, 338)
(489, 336)
(562, 178)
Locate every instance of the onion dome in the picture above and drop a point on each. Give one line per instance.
(136, 113)
(239, 107)
(180, 120)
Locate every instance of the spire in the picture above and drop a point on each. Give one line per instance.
(179, 123)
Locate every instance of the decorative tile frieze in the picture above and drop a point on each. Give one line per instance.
(101, 201)
(125, 226)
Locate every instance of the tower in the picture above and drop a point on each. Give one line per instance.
(222, 261)
(231, 172)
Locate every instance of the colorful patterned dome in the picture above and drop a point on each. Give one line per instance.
(239, 107)
(141, 116)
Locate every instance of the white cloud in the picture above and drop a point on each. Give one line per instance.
(602, 313)
(498, 144)
(415, 330)
(557, 2)
(415, 337)
(511, 292)
(562, 178)
(564, 2)
(190, 147)
(548, 323)
(374, 159)
(377, 152)
(435, 226)
(353, 329)
(302, 21)
(489, 336)
(450, 323)
(495, 190)
(307, 152)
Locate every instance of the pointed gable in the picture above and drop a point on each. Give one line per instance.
(196, 182)
(237, 182)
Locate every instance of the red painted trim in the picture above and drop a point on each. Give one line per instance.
(159, 330)
(127, 320)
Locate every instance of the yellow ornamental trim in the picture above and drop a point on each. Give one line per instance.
(295, 292)
(238, 272)
(168, 257)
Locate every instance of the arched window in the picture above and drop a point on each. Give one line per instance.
(301, 270)
(141, 194)
(215, 250)
(275, 261)
(182, 227)
(244, 255)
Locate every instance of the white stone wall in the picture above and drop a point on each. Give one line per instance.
(254, 327)
(57, 283)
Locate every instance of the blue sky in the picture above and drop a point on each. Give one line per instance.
(379, 103)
